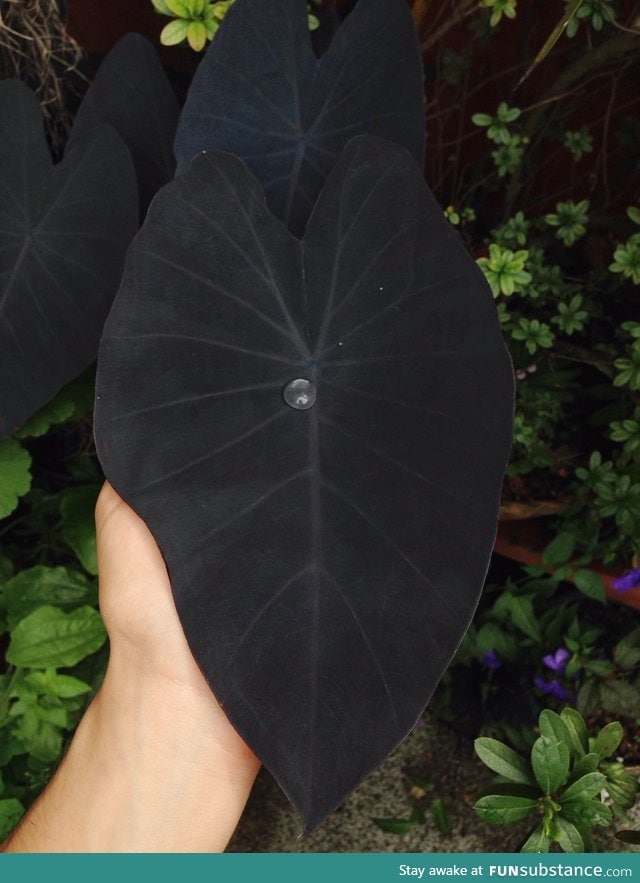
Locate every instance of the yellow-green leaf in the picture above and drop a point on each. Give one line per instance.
(175, 32)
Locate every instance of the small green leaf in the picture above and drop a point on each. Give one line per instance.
(550, 762)
(78, 526)
(56, 411)
(615, 695)
(179, 8)
(11, 811)
(634, 214)
(440, 815)
(590, 584)
(15, 475)
(623, 794)
(37, 586)
(559, 549)
(537, 841)
(524, 617)
(608, 739)
(626, 653)
(395, 826)
(587, 764)
(503, 760)
(51, 637)
(175, 32)
(587, 786)
(568, 836)
(161, 7)
(577, 728)
(196, 35)
(50, 683)
(502, 809)
(552, 725)
(586, 813)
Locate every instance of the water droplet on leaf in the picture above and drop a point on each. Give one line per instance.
(300, 394)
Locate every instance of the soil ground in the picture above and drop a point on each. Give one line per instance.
(432, 753)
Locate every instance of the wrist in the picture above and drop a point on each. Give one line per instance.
(153, 767)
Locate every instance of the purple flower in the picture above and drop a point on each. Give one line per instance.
(557, 661)
(491, 660)
(552, 688)
(631, 580)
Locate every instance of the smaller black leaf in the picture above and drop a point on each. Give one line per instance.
(261, 94)
(132, 93)
(64, 231)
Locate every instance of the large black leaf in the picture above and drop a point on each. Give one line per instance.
(131, 92)
(64, 231)
(325, 562)
(262, 94)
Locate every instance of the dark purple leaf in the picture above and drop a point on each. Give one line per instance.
(131, 92)
(325, 562)
(262, 94)
(64, 231)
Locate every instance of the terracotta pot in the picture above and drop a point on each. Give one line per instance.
(525, 540)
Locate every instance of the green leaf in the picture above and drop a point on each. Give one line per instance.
(537, 841)
(11, 811)
(56, 411)
(615, 695)
(550, 762)
(626, 653)
(51, 637)
(175, 32)
(587, 764)
(560, 549)
(78, 525)
(502, 809)
(161, 7)
(503, 760)
(395, 826)
(608, 739)
(523, 616)
(15, 475)
(440, 815)
(179, 8)
(634, 214)
(586, 813)
(51, 683)
(590, 584)
(57, 586)
(196, 35)
(623, 794)
(568, 836)
(74, 400)
(552, 725)
(587, 786)
(577, 728)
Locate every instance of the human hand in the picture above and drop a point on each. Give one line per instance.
(146, 637)
(155, 766)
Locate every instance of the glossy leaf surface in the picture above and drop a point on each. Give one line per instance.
(325, 562)
(261, 93)
(131, 92)
(64, 230)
